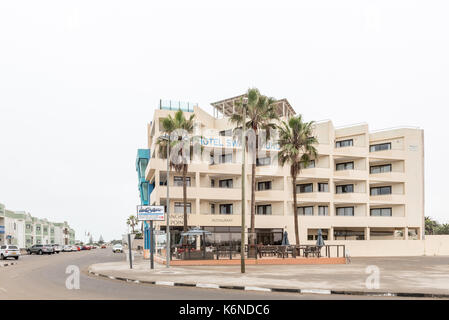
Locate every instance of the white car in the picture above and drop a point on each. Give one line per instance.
(67, 248)
(117, 248)
(7, 251)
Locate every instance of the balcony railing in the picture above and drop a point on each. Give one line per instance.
(176, 105)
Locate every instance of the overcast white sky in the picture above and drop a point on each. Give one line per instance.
(79, 81)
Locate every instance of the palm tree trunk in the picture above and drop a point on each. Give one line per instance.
(295, 210)
(253, 195)
(184, 194)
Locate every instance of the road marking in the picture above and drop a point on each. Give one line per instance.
(257, 289)
(207, 285)
(316, 291)
(165, 283)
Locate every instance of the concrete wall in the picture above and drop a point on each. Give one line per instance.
(431, 246)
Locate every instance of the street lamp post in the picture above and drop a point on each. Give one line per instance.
(167, 248)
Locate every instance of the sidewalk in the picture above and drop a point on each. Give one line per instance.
(407, 276)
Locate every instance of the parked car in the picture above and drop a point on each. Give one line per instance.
(103, 246)
(67, 248)
(7, 251)
(40, 249)
(57, 248)
(78, 248)
(74, 248)
(117, 248)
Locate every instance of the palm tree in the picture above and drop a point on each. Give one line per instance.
(260, 113)
(296, 143)
(431, 226)
(180, 145)
(132, 222)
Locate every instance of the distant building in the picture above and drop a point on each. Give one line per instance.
(21, 229)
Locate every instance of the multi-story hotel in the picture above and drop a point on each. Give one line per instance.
(363, 186)
(21, 229)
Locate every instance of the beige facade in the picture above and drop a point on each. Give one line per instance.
(364, 187)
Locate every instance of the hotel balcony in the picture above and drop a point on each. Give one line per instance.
(314, 197)
(351, 197)
(388, 154)
(351, 174)
(387, 177)
(315, 173)
(394, 198)
(351, 151)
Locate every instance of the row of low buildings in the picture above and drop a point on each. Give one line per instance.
(21, 229)
(364, 190)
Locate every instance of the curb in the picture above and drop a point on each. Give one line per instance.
(290, 290)
(7, 264)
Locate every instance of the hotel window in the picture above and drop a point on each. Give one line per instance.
(212, 208)
(323, 187)
(304, 188)
(179, 207)
(226, 158)
(178, 181)
(377, 191)
(323, 210)
(344, 143)
(345, 166)
(225, 208)
(264, 185)
(225, 133)
(38, 228)
(309, 165)
(145, 191)
(345, 211)
(380, 147)
(413, 234)
(143, 166)
(349, 235)
(381, 168)
(266, 161)
(212, 183)
(380, 212)
(225, 183)
(305, 211)
(345, 188)
(222, 158)
(264, 209)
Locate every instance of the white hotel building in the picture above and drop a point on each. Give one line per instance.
(365, 189)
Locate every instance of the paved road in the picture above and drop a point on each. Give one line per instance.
(44, 277)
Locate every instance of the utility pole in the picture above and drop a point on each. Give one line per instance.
(242, 244)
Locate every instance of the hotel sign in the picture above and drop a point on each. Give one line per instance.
(231, 142)
(146, 213)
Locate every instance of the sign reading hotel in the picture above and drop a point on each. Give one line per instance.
(146, 213)
(231, 142)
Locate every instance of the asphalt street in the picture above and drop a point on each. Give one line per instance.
(44, 277)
